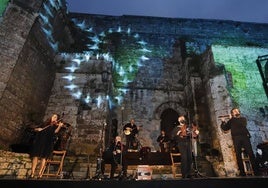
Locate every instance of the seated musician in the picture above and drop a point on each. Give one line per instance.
(118, 150)
(163, 141)
(131, 130)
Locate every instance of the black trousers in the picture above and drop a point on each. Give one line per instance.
(240, 142)
(185, 148)
(119, 161)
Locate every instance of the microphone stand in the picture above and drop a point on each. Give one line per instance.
(99, 174)
(193, 140)
(121, 161)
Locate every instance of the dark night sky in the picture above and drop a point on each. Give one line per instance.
(236, 10)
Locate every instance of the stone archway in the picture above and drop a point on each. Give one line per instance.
(168, 113)
(168, 121)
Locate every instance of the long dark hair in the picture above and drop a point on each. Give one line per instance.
(48, 120)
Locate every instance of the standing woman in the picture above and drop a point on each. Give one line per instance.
(44, 142)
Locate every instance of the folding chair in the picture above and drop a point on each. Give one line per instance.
(247, 164)
(176, 163)
(54, 165)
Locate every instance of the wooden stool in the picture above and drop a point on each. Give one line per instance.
(247, 164)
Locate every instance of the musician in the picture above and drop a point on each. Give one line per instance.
(44, 142)
(182, 135)
(118, 151)
(241, 138)
(131, 130)
(163, 141)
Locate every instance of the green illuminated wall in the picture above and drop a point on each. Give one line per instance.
(3, 5)
(247, 90)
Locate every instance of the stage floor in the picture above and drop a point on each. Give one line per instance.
(214, 182)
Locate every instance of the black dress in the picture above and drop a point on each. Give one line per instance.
(44, 142)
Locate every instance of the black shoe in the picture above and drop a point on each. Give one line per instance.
(187, 177)
(190, 176)
(123, 178)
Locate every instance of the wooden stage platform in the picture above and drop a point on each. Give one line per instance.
(214, 182)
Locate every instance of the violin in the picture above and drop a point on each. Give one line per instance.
(186, 131)
(59, 122)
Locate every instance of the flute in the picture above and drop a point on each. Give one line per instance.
(224, 116)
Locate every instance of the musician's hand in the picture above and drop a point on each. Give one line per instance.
(60, 124)
(195, 133)
(38, 129)
(222, 119)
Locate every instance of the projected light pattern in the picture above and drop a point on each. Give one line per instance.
(71, 87)
(132, 51)
(69, 77)
(72, 69)
(247, 88)
(55, 4)
(195, 48)
(3, 6)
(125, 63)
(45, 17)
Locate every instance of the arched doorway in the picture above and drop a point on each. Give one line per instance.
(169, 118)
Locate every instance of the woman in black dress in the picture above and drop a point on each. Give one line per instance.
(44, 142)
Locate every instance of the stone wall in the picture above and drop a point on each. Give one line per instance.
(202, 32)
(147, 97)
(28, 68)
(14, 165)
(18, 166)
(168, 79)
(87, 118)
(176, 72)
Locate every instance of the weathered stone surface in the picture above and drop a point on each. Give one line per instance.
(174, 80)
